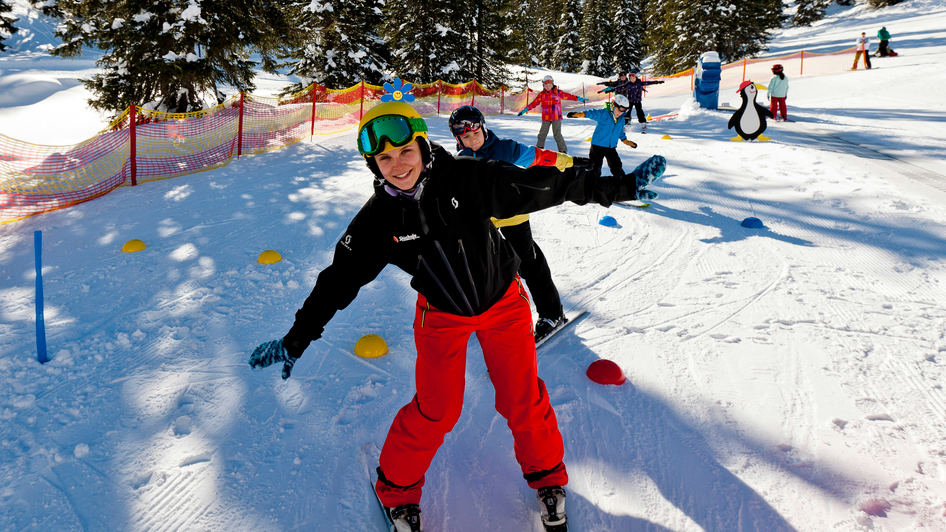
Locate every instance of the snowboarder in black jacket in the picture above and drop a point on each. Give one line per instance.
(430, 216)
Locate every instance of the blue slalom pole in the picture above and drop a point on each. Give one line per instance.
(40, 320)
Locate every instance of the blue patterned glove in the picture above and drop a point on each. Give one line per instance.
(582, 100)
(270, 353)
(650, 170)
(522, 112)
(646, 195)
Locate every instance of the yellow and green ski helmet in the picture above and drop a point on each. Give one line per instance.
(387, 126)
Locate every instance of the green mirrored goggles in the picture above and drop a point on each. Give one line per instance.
(396, 129)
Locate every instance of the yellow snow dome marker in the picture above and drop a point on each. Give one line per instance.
(269, 257)
(371, 346)
(666, 137)
(133, 245)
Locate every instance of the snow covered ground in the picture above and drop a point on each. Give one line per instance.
(785, 378)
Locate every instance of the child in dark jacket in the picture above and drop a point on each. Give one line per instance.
(633, 88)
(468, 126)
(430, 215)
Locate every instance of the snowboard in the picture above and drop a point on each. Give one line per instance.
(370, 457)
(571, 317)
(629, 204)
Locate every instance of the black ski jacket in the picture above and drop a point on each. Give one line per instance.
(443, 237)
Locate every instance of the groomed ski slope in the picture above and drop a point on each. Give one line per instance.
(785, 378)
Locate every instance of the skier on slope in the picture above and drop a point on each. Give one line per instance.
(468, 126)
(777, 93)
(609, 129)
(551, 99)
(633, 88)
(430, 216)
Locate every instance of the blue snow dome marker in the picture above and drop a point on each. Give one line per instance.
(608, 221)
(753, 223)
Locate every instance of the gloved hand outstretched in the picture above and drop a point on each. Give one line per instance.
(582, 162)
(630, 143)
(646, 195)
(523, 111)
(648, 171)
(582, 99)
(270, 353)
(575, 114)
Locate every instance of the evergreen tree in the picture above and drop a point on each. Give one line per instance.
(680, 30)
(522, 46)
(337, 43)
(628, 48)
(547, 14)
(170, 52)
(482, 24)
(597, 34)
(568, 47)
(877, 4)
(424, 45)
(808, 11)
(6, 23)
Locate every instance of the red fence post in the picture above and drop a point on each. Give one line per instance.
(312, 132)
(361, 113)
(439, 92)
(692, 75)
(473, 96)
(502, 99)
(133, 145)
(240, 128)
(744, 69)
(802, 70)
(583, 92)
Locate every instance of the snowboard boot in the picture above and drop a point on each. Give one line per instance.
(406, 518)
(552, 505)
(545, 326)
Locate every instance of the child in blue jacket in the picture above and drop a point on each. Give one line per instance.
(608, 132)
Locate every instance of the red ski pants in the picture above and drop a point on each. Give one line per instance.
(778, 104)
(506, 336)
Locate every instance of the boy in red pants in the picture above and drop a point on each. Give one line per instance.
(430, 216)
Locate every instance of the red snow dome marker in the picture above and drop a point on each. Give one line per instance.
(605, 372)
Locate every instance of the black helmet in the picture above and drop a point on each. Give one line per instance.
(466, 118)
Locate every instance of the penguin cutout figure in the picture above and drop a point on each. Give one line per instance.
(749, 119)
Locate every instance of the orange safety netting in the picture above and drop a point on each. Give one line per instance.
(144, 145)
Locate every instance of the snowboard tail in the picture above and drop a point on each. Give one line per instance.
(370, 457)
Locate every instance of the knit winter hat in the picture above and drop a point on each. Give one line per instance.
(744, 85)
